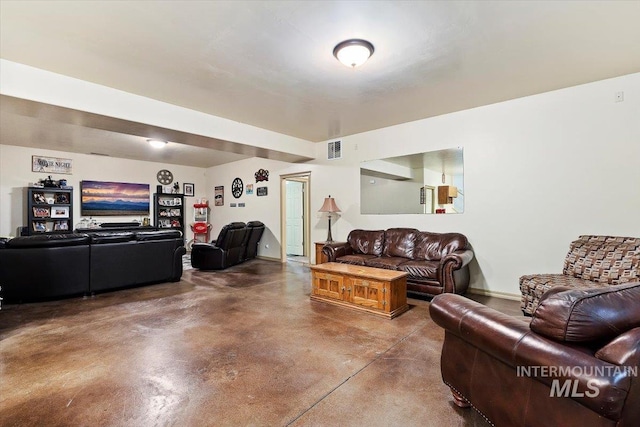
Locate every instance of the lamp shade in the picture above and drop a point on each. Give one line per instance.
(329, 205)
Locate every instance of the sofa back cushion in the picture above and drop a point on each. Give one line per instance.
(588, 315)
(225, 236)
(604, 259)
(369, 242)
(435, 246)
(399, 242)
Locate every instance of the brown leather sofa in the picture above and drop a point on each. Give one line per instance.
(435, 262)
(575, 364)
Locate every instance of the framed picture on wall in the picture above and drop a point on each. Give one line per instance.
(188, 189)
(219, 195)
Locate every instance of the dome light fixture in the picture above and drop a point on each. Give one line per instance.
(157, 143)
(353, 52)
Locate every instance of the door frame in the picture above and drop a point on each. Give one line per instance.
(304, 177)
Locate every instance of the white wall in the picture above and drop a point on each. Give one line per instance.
(539, 171)
(15, 175)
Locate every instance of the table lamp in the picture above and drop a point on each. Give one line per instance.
(330, 207)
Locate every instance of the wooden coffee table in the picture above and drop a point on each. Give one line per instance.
(373, 290)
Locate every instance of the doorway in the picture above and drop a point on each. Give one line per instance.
(295, 221)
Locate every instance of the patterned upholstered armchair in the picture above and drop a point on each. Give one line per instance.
(592, 261)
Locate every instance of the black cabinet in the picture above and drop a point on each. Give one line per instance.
(169, 211)
(49, 210)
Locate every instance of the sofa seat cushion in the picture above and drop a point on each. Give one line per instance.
(588, 315)
(421, 269)
(533, 286)
(390, 263)
(368, 242)
(605, 259)
(358, 259)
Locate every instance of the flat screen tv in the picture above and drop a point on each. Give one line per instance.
(99, 198)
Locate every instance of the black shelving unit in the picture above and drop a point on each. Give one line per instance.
(169, 211)
(49, 210)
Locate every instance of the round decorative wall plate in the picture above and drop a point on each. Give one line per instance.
(165, 177)
(236, 188)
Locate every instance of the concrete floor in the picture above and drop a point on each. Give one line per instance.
(242, 347)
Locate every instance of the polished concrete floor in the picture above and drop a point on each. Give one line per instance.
(242, 347)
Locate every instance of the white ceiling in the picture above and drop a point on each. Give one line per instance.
(270, 64)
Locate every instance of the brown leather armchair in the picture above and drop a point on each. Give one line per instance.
(575, 363)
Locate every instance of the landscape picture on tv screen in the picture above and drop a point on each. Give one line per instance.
(113, 198)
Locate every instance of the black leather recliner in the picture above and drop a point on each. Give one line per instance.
(227, 250)
(256, 228)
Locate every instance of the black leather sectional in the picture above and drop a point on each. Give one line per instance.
(60, 265)
(236, 243)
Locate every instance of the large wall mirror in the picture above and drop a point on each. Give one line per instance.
(423, 183)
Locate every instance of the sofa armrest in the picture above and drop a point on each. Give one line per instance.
(511, 341)
(336, 250)
(454, 273)
(207, 257)
(457, 259)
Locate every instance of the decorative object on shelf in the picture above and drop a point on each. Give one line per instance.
(164, 176)
(330, 207)
(42, 212)
(236, 188)
(62, 198)
(100, 198)
(176, 188)
(262, 191)
(188, 189)
(39, 226)
(262, 175)
(39, 199)
(219, 195)
(60, 226)
(60, 212)
(353, 52)
(48, 182)
(51, 165)
(249, 188)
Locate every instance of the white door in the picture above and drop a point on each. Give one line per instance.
(295, 223)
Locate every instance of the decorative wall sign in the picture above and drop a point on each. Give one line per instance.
(164, 177)
(236, 188)
(262, 175)
(261, 191)
(241, 205)
(50, 165)
(233, 205)
(219, 195)
(249, 188)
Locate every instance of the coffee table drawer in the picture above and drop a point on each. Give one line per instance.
(328, 285)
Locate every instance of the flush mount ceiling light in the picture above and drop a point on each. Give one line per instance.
(157, 143)
(353, 52)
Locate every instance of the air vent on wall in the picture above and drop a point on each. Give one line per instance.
(335, 150)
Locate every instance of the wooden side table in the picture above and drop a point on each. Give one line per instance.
(320, 257)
